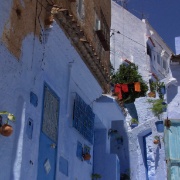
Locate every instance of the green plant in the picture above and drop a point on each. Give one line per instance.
(158, 106)
(156, 140)
(10, 117)
(128, 74)
(134, 121)
(157, 86)
(6, 129)
(96, 176)
(160, 85)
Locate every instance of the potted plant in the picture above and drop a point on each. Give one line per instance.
(128, 74)
(86, 156)
(134, 123)
(6, 129)
(156, 140)
(96, 176)
(158, 106)
(152, 92)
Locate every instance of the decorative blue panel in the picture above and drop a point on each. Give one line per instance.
(79, 151)
(50, 114)
(83, 119)
(29, 128)
(33, 99)
(63, 166)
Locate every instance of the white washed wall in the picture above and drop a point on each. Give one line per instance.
(130, 44)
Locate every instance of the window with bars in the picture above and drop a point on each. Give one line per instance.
(103, 31)
(83, 119)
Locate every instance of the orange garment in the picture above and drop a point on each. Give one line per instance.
(137, 87)
(118, 91)
(117, 88)
(124, 87)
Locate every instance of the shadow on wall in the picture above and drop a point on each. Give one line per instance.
(175, 69)
(18, 141)
(142, 138)
(120, 146)
(172, 90)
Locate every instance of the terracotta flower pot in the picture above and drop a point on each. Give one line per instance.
(6, 130)
(86, 156)
(156, 141)
(152, 94)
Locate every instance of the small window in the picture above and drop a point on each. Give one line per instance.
(97, 25)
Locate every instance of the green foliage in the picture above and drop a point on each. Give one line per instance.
(134, 121)
(157, 106)
(10, 117)
(156, 137)
(156, 86)
(128, 74)
(96, 176)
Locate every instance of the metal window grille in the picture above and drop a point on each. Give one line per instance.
(83, 119)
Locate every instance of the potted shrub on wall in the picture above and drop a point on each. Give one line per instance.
(6, 129)
(86, 156)
(131, 86)
(158, 107)
(156, 140)
(86, 153)
(152, 92)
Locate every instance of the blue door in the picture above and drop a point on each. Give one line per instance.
(48, 136)
(172, 148)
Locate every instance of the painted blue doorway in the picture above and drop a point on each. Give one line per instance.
(48, 136)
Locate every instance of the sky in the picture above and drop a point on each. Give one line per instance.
(163, 15)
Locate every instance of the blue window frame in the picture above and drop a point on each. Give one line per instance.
(83, 119)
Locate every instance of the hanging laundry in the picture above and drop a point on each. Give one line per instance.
(118, 91)
(120, 95)
(124, 87)
(117, 88)
(137, 87)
